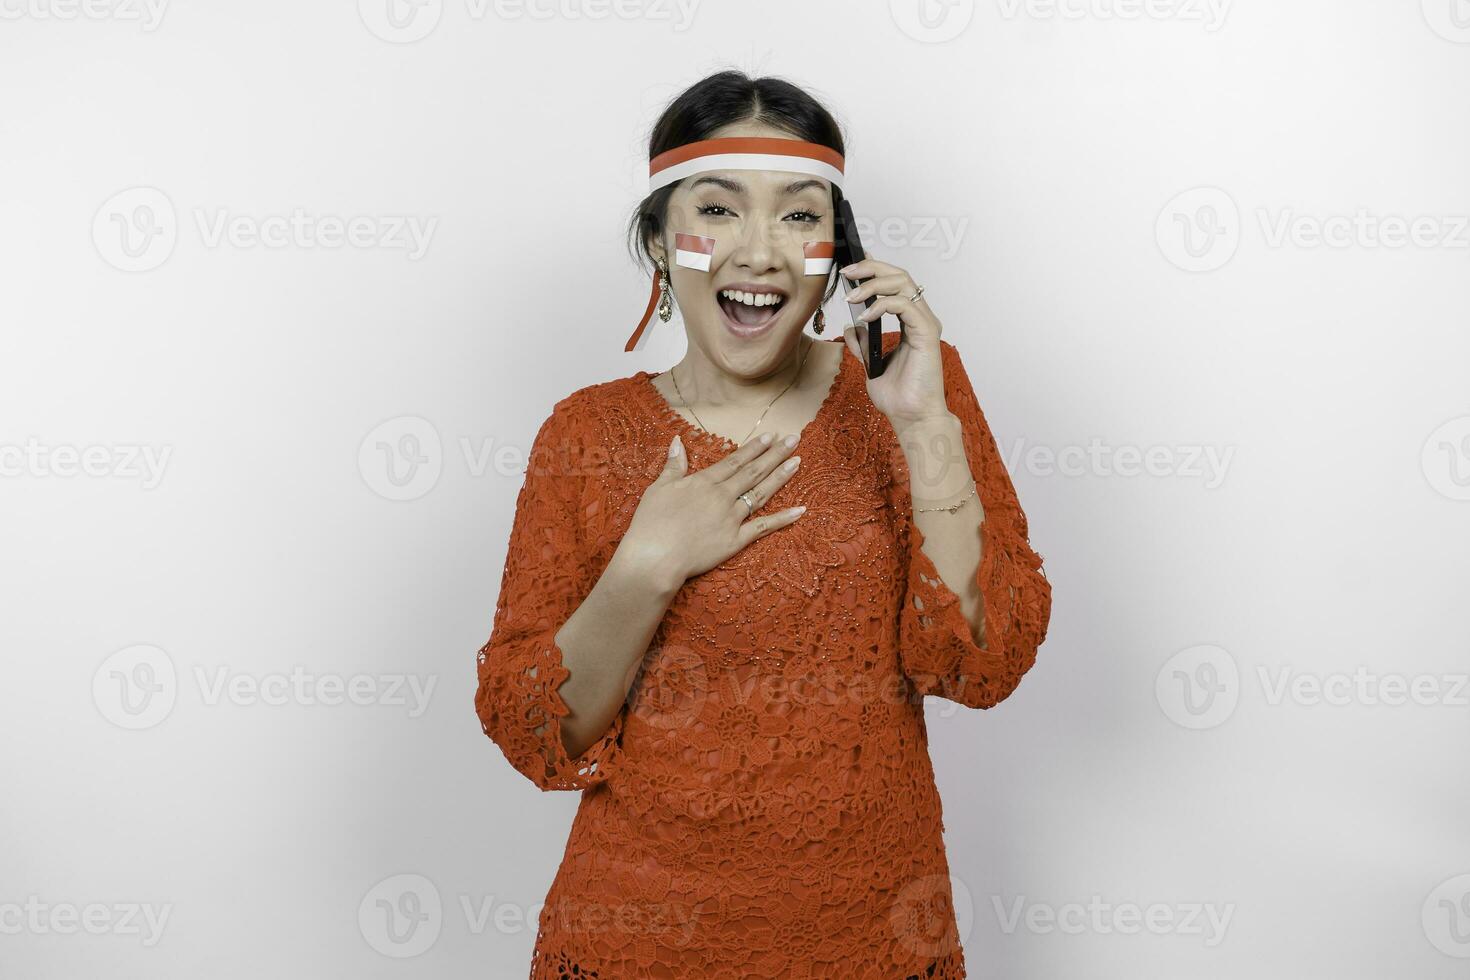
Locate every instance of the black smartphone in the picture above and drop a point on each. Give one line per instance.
(849, 249)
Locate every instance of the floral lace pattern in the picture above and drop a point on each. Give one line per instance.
(763, 803)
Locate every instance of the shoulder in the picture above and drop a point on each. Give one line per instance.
(568, 429)
(584, 409)
(572, 433)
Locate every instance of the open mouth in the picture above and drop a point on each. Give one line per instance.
(750, 311)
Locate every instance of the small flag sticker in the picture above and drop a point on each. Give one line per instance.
(819, 257)
(693, 251)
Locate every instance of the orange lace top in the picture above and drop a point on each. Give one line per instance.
(763, 804)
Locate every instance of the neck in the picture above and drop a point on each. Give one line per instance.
(704, 383)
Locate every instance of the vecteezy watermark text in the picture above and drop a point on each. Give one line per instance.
(137, 230)
(146, 13)
(122, 461)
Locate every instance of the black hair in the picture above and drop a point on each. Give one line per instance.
(713, 102)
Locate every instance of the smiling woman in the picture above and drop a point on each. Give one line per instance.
(727, 646)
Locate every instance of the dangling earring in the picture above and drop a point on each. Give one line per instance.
(819, 322)
(665, 300)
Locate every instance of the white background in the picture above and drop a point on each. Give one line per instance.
(1130, 203)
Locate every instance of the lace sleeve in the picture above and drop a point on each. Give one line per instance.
(937, 649)
(547, 575)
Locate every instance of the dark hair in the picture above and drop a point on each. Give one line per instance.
(716, 101)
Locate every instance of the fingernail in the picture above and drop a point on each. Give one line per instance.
(766, 438)
(799, 510)
(850, 295)
(791, 439)
(674, 447)
(791, 463)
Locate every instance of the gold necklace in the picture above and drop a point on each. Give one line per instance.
(685, 402)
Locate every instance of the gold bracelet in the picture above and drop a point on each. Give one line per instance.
(953, 507)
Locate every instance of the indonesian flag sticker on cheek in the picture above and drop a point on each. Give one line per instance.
(819, 256)
(693, 251)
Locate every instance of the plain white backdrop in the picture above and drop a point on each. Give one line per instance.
(287, 292)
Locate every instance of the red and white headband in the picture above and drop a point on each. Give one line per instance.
(745, 153)
(736, 153)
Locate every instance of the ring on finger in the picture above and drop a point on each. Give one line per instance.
(749, 507)
(917, 293)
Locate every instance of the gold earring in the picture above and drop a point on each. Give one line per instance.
(819, 322)
(665, 300)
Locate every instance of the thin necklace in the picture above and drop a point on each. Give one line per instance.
(685, 402)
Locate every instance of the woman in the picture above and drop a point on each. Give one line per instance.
(726, 641)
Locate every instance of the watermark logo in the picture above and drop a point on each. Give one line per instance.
(124, 461)
(402, 458)
(1199, 230)
(400, 21)
(299, 687)
(680, 13)
(136, 230)
(136, 687)
(938, 233)
(401, 916)
(932, 21)
(1450, 19)
(1363, 687)
(1208, 464)
(1446, 917)
(1445, 459)
(1210, 13)
(1198, 687)
(1207, 920)
(133, 919)
(1362, 229)
(148, 14)
(407, 21)
(933, 915)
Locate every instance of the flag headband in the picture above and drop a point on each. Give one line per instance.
(732, 153)
(745, 153)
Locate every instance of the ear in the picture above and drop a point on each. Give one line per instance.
(656, 249)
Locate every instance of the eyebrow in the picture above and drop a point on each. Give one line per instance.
(735, 187)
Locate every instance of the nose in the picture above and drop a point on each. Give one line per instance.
(757, 250)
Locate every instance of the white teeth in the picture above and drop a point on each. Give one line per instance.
(751, 299)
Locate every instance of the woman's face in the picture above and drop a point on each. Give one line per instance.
(759, 220)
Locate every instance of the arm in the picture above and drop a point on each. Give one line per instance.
(972, 640)
(567, 638)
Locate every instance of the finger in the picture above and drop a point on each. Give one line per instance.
(759, 527)
(868, 268)
(677, 463)
(750, 473)
(897, 284)
(900, 306)
(750, 449)
(850, 337)
(768, 485)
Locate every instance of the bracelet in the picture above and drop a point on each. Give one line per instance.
(953, 507)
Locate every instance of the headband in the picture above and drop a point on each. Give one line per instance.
(744, 153)
(735, 153)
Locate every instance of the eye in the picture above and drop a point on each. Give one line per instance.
(714, 210)
(809, 217)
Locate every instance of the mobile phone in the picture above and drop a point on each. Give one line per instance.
(849, 249)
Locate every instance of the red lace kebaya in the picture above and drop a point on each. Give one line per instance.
(763, 805)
